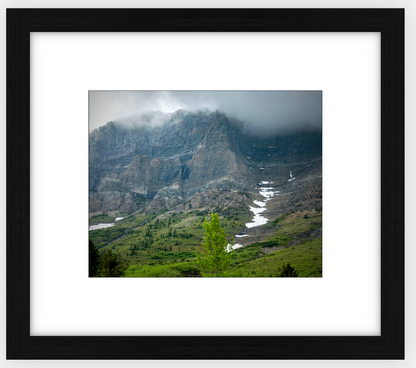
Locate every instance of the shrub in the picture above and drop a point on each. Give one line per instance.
(288, 271)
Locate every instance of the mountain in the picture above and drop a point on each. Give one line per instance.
(190, 160)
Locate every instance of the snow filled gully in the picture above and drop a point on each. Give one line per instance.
(260, 206)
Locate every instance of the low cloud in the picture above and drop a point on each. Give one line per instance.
(263, 112)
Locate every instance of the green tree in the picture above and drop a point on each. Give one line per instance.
(215, 258)
(112, 265)
(94, 260)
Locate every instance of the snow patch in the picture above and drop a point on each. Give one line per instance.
(232, 247)
(258, 220)
(100, 226)
(265, 192)
(236, 246)
(259, 203)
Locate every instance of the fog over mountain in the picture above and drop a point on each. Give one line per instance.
(262, 112)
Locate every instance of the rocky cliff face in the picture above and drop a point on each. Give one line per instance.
(160, 161)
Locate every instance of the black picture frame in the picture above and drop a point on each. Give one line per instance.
(389, 22)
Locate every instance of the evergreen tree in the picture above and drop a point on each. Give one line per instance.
(217, 252)
(94, 260)
(112, 265)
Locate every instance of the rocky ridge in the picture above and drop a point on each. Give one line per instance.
(189, 160)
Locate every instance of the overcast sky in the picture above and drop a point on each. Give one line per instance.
(262, 111)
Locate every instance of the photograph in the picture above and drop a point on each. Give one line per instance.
(205, 183)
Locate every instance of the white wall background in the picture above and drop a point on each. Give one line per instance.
(410, 155)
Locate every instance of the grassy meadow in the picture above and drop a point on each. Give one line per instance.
(164, 244)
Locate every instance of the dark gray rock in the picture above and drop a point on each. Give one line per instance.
(190, 160)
